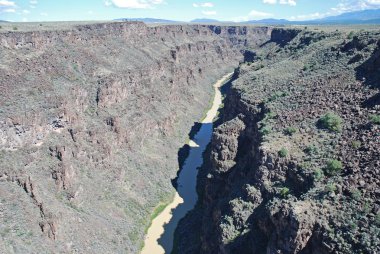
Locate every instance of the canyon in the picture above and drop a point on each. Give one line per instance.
(93, 119)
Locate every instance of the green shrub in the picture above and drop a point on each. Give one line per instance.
(15, 28)
(356, 144)
(377, 219)
(333, 167)
(375, 119)
(356, 194)
(330, 188)
(265, 130)
(310, 150)
(283, 152)
(284, 192)
(351, 35)
(270, 115)
(318, 175)
(277, 95)
(290, 131)
(331, 122)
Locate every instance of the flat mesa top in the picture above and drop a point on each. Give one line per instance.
(68, 25)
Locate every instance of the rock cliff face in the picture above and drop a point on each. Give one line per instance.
(294, 160)
(91, 120)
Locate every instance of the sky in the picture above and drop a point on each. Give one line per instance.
(180, 10)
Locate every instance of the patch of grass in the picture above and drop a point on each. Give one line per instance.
(290, 131)
(375, 119)
(158, 210)
(333, 167)
(283, 153)
(331, 121)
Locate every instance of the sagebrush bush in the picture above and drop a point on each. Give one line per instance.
(284, 192)
(330, 188)
(356, 144)
(283, 152)
(333, 167)
(318, 175)
(375, 119)
(331, 121)
(311, 149)
(290, 131)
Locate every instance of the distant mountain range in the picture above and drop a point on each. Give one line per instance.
(149, 20)
(358, 17)
(363, 16)
(205, 21)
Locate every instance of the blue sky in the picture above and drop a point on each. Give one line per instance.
(182, 10)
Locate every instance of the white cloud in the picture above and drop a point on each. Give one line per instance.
(43, 14)
(259, 14)
(269, 1)
(204, 5)
(9, 10)
(289, 2)
(6, 3)
(25, 11)
(209, 13)
(311, 16)
(25, 20)
(253, 15)
(133, 4)
(286, 2)
(355, 5)
(7, 6)
(33, 2)
(343, 7)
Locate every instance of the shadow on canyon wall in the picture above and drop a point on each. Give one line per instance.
(369, 72)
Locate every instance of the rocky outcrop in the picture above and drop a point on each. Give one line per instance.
(274, 180)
